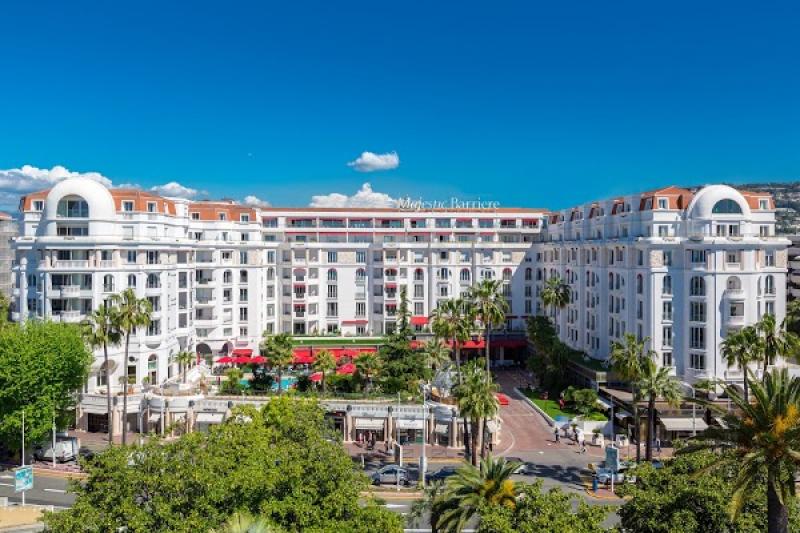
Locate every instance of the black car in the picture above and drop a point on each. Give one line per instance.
(442, 474)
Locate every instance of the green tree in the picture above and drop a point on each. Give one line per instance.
(130, 314)
(402, 368)
(453, 320)
(490, 309)
(437, 354)
(184, 360)
(324, 363)
(367, 365)
(792, 320)
(740, 349)
(763, 436)
(233, 381)
(477, 401)
(100, 331)
(5, 308)
(583, 400)
(628, 359)
(42, 364)
(691, 494)
(656, 382)
(555, 294)
(403, 314)
(537, 511)
(775, 341)
(280, 351)
(289, 469)
(247, 523)
(470, 490)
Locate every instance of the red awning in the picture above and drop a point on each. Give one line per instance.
(419, 320)
(259, 360)
(244, 352)
(354, 322)
(391, 285)
(470, 345)
(241, 360)
(225, 360)
(348, 368)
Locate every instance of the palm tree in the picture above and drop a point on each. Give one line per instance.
(477, 401)
(471, 488)
(555, 294)
(324, 362)
(131, 313)
(628, 360)
(656, 382)
(243, 522)
(792, 320)
(280, 350)
(775, 341)
(763, 435)
(367, 365)
(184, 360)
(437, 353)
(740, 349)
(100, 330)
(453, 320)
(490, 308)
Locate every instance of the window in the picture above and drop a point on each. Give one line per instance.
(222, 217)
(332, 309)
(227, 277)
(38, 205)
(666, 333)
(465, 275)
(131, 256)
(528, 274)
(419, 308)
(243, 276)
(697, 361)
(243, 314)
(666, 310)
(769, 285)
(727, 207)
(667, 258)
(697, 286)
(443, 290)
(666, 359)
(763, 203)
(662, 203)
(666, 288)
(332, 275)
(151, 207)
(419, 291)
(697, 256)
(769, 259)
(72, 207)
(108, 283)
(242, 295)
(195, 216)
(639, 284)
(663, 231)
(697, 311)
(361, 308)
(127, 206)
(361, 256)
(131, 281)
(697, 339)
(152, 257)
(333, 291)
(153, 281)
(361, 275)
(333, 257)
(242, 257)
(244, 217)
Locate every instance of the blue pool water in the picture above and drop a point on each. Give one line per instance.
(286, 383)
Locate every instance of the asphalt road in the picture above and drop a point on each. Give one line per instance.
(46, 490)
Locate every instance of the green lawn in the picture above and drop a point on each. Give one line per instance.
(550, 407)
(338, 341)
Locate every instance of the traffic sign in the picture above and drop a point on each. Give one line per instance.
(612, 459)
(23, 478)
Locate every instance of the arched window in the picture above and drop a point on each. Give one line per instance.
(108, 283)
(153, 281)
(727, 207)
(72, 207)
(465, 274)
(132, 281)
(734, 283)
(419, 275)
(243, 276)
(528, 274)
(697, 286)
(227, 277)
(332, 275)
(506, 274)
(769, 284)
(361, 274)
(639, 284)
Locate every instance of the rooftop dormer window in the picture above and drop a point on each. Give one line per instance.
(222, 217)
(244, 218)
(38, 205)
(195, 216)
(662, 203)
(127, 206)
(763, 204)
(151, 207)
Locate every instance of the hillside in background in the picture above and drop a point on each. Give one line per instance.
(787, 203)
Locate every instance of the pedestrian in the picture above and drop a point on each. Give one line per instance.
(658, 445)
(556, 433)
(583, 445)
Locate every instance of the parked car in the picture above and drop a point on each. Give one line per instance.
(443, 473)
(390, 474)
(525, 469)
(604, 475)
(66, 449)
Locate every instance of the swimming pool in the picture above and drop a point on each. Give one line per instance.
(287, 382)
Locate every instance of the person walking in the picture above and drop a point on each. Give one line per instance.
(658, 445)
(557, 434)
(583, 444)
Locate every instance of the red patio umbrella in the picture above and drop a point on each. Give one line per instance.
(225, 360)
(348, 368)
(316, 377)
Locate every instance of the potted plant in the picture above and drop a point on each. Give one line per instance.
(597, 437)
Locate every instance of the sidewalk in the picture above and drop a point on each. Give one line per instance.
(410, 451)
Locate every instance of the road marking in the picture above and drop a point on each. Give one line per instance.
(6, 477)
(395, 506)
(7, 484)
(59, 491)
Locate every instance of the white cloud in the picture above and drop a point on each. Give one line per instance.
(370, 162)
(365, 197)
(176, 190)
(30, 178)
(255, 201)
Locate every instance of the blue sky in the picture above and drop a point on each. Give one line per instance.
(525, 103)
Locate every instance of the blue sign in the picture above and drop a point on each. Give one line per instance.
(612, 458)
(23, 478)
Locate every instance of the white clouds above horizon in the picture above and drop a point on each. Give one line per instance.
(174, 189)
(370, 162)
(255, 201)
(364, 197)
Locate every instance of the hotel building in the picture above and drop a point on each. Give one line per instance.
(680, 268)
(219, 274)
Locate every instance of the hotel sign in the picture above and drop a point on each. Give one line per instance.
(454, 203)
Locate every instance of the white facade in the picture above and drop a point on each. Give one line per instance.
(681, 269)
(220, 274)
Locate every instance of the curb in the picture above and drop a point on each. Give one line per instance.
(536, 408)
(46, 472)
